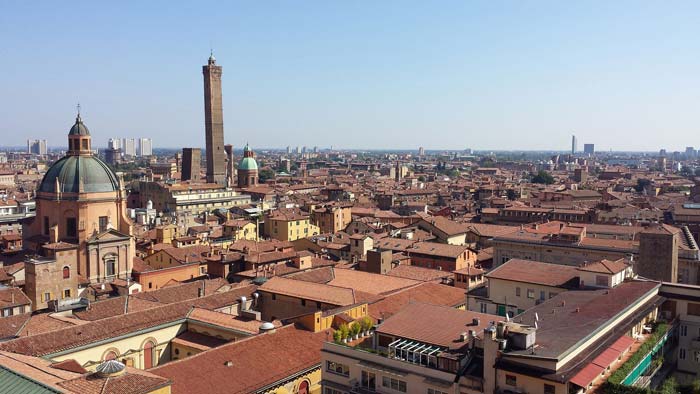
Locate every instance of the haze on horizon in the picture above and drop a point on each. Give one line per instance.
(381, 75)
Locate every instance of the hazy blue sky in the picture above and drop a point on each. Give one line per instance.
(357, 74)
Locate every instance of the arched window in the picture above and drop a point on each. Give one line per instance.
(66, 272)
(110, 355)
(303, 387)
(148, 356)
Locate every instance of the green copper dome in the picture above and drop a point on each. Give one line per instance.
(248, 163)
(71, 171)
(79, 127)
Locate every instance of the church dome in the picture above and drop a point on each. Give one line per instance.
(79, 127)
(71, 171)
(248, 163)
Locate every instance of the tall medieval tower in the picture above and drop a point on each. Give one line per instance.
(214, 123)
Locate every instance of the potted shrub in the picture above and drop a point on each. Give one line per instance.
(366, 324)
(337, 336)
(344, 332)
(355, 329)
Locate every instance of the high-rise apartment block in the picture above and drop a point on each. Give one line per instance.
(573, 145)
(145, 147)
(37, 147)
(214, 122)
(114, 143)
(589, 149)
(129, 147)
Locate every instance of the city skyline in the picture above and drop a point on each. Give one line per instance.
(476, 75)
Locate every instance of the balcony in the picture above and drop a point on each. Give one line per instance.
(373, 360)
(647, 359)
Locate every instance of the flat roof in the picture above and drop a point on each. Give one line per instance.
(572, 316)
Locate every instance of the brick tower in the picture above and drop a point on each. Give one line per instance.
(214, 122)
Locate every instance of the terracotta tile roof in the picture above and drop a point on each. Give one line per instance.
(11, 326)
(113, 307)
(75, 336)
(490, 230)
(189, 254)
(69, 365)
(537, 272)
(12, 296)
(418, 273)
(180, 291)
(432, 293)
(605, 266)
(197, 340)
(225, 320)
(133, 381)
(44, 322)
(35, 368)
(317, 275)
(436, 249)
(418, 321)
(254, 363)
(446, 225)
(333, 295)
(368, 282)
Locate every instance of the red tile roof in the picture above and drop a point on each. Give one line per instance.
(418, 322)
(333, 295)
(429, 292)
(528, 271)
(247, 365)
(133, 381)
(75, 336)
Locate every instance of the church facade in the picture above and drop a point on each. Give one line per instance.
(81, 205)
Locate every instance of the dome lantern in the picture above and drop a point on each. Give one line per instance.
(79, 141)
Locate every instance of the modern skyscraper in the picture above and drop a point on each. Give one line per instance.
(114, 143)
(589, 149)
(129, 147)
(421, 151)
(573, 145)
(191, 159)
(37, 147)
(214, 122)
(145, 147)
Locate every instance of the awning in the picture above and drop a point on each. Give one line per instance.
(622, 344)
(587, 375)
(607, 358)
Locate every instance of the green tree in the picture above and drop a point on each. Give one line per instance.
(669, 386)
(266, 174)
(421, 178)
(543, 177)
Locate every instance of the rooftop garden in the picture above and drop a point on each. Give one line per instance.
(622, 379)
